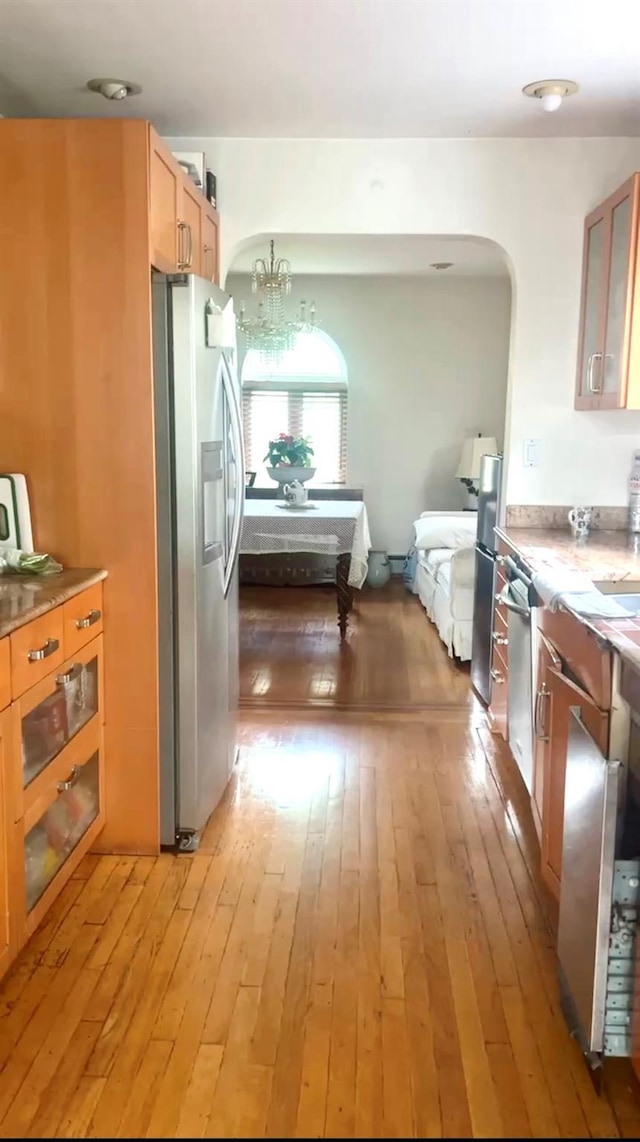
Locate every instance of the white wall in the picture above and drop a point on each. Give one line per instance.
(427, 365)
(528, 195)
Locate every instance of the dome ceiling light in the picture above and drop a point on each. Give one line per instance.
(550, 92)
(114, 88)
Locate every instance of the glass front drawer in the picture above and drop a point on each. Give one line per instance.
(56, 719)
(62, 826)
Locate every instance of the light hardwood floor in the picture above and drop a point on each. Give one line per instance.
(358, 949)
(392, 658)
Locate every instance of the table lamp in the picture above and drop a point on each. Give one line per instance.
(468, 470)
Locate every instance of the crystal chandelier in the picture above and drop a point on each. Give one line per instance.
(270, 332)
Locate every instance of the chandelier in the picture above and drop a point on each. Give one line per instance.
(270, 331)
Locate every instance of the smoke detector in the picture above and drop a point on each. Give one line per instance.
(550, 92)
(441, 265)
(114, 88)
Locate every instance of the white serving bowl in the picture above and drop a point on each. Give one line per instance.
(285, 475)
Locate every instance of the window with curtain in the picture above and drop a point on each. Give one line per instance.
(305, 394)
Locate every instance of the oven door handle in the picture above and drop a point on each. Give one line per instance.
(507, 601)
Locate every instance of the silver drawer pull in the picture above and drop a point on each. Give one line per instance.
(50, 647)
(496, 675)
(88, 620)
(75, 672)
(499, 639)
(65, 786)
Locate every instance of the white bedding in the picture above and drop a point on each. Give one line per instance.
(444, 584)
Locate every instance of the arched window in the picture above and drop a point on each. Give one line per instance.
(305, 394)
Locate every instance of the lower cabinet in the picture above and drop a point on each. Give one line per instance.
(59, 827)
(52, 804)
(557, 693)
(7, 852)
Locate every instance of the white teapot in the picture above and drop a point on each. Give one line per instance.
(295, 493)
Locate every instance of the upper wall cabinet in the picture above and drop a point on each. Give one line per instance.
(609, 341)
(183, 226)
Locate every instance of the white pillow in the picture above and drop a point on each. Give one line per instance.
(446, 531)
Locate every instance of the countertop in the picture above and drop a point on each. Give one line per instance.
(25, 597)
(612, 555)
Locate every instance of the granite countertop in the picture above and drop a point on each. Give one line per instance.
(613, 555)
(25, 597)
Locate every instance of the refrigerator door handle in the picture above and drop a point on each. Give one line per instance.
(236, 425)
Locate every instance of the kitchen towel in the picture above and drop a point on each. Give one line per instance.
(594, 605)
(550, 586)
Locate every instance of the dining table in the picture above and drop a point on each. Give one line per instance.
(337, 528)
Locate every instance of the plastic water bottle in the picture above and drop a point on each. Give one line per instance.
(634, 495)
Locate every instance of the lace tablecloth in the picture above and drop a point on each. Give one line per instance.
(332, 527)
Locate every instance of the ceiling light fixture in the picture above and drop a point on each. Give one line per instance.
(114, 88)
(550, 92)
(270, 332)
(441, 265)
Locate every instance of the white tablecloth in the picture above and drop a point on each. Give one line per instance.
(333, 527)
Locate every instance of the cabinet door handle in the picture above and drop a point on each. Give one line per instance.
(49, 648)
(182, 261)
(542, 693)
(496, 675)
(190, 250)
(591, 360)
(65, 786)
(88, 620)
(499, 639)
(205, 272)
(69, 675)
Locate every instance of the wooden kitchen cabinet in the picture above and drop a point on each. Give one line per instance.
(190, 227)
(608, 374)
(165, 196)
(183, 227)
(563, 693)
(52, 765)
(8, 833)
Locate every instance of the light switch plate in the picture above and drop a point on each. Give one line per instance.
(531, 454)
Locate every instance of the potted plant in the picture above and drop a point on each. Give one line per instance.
(289, 458)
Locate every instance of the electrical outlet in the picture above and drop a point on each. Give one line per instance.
(531, 454)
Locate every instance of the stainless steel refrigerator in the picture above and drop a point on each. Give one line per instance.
(486, 551)
(200, 498)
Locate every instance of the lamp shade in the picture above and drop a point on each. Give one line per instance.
(473, 449)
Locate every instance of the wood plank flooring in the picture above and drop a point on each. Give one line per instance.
(358, 949)
(291, 653)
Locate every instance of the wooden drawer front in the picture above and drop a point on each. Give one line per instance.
(5, 673)
(82, 619)
(499, 666)
(50, 715)
(500, 638)
(36, 650)
(580, 649)
(62, 825)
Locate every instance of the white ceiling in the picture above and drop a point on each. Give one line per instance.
(328, 68)
(407, 254)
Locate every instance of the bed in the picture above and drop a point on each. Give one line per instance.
(444, 578)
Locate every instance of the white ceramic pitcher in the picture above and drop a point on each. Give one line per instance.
(295, 493)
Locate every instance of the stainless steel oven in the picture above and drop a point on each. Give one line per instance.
(518, 597)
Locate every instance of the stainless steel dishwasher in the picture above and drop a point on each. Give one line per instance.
(598, 902)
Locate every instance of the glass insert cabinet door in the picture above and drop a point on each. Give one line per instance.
(52, 839)
(591, 345)
(55, 710)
